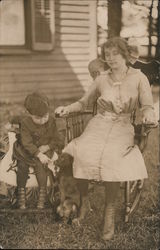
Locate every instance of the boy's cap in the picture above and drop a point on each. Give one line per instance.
(37, 104)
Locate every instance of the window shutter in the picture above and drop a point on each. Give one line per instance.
(43, 24)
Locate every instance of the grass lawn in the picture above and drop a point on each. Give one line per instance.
(42, 231)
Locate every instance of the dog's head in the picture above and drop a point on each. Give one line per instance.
(64, 164)
(67, 210)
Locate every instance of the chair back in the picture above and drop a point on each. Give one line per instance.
(75, 124)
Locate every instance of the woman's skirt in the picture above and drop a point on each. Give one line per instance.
(106, 151)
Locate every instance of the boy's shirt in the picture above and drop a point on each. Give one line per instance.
(32, 136)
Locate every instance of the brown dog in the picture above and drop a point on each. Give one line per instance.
(69, 193)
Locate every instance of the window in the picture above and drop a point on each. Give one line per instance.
(12, 23)
(26, 25)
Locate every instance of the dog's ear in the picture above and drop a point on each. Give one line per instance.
(64, 164)
(71, 159)
(67, 158)
(67, 164)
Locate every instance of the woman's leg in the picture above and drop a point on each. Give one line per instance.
(82, 185)
(111, 193)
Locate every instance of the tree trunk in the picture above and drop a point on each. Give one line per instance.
(114, 17)
(158, 33)
(150, 30)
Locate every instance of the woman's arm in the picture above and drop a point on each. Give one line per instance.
(81, 104)
(84, 101)
(146, 100)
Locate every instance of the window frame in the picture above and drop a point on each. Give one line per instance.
(21, 49)
(28, 47)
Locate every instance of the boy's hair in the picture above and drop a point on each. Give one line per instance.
(37, 104)
(96, 64)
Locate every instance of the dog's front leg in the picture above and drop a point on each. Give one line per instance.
(62, 190)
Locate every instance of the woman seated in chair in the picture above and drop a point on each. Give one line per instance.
(105, 151)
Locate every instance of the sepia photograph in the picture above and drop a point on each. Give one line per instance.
(79, 124)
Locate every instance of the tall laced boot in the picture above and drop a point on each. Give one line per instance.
(21, 198)
(85, 207)
(42, 198)
(111, 193)
(109, 225)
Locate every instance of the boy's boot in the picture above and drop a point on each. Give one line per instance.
(42, 198)
(21, 198)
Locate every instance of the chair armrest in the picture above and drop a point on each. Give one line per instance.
(86, 112)
(75, 123)
(141, 134)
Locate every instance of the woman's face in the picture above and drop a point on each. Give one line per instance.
(113, 58)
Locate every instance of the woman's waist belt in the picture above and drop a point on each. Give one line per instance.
(115, 117)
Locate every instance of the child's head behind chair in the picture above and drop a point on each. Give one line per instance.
(95, 67)
(37, 106)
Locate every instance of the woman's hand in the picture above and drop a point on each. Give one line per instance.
(44, 148)
(149, 117)
(62, 111)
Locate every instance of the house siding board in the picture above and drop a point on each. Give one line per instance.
(62, 73)
(16, 98)
(28, 85)
(45, 64)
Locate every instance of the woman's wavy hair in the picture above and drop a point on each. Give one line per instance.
(119, 43)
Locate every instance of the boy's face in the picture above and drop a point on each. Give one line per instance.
(94, 74)
(95, 68)
(40, 120)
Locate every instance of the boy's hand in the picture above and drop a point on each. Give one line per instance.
(44, 148)
(8, 126)
(11, 127)
(43, 158)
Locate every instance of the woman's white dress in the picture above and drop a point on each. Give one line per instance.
(106, 151)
